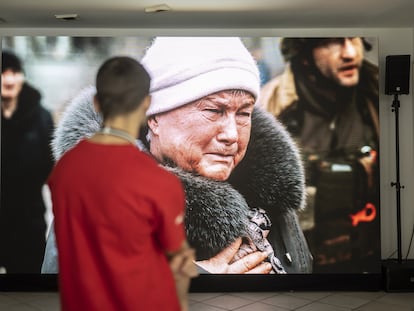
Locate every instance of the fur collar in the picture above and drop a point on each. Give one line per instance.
(269, 177)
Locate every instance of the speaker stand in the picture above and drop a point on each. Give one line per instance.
(397, 184)
(399, 274)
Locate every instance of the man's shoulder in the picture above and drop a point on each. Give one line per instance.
(279, 93)
(270, 87)
(369, 71)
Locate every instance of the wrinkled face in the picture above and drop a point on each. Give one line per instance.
(208, 136)
(340, 60)
(11, 84)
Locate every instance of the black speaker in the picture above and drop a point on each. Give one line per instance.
(399, 277)
(397, 74)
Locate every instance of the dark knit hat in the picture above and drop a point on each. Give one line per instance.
(292, 47)
(10, 61)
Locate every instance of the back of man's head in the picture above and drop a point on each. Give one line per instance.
(122, 84)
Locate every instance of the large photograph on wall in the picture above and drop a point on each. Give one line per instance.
(276, 141)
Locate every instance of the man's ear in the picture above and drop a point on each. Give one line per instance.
(147, 102)
(143, 107)
(96, 104)
(153, 124)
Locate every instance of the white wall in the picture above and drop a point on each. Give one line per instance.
(392, 41)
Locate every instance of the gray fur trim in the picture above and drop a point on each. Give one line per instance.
(216, 214)
(78, 121)
(271, 175)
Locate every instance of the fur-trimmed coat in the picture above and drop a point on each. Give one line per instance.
(269, 177)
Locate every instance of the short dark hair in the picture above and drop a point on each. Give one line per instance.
(10, 61)
(122, 83)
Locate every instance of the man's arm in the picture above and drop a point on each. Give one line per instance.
(183, 268)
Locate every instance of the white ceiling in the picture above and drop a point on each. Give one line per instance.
(208, 14)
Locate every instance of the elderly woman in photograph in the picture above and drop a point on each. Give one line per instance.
(241, 171)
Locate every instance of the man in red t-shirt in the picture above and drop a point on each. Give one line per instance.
(118, 215)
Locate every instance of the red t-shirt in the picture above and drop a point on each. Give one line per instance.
(116, 214)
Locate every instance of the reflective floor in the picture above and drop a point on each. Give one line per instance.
(246, 301)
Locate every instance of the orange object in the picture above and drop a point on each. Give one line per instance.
(367, 214)
(373, 155)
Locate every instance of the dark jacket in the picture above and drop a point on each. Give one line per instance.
(269, 177)
(334, 125)
(26, 161)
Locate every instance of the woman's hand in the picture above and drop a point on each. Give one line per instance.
(223, 262)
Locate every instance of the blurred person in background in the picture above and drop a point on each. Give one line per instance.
(327, 98)
(26, 161)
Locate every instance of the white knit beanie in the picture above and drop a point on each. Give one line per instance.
(184, 69)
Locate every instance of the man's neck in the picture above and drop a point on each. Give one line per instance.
(8, 107)
(124, 124)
